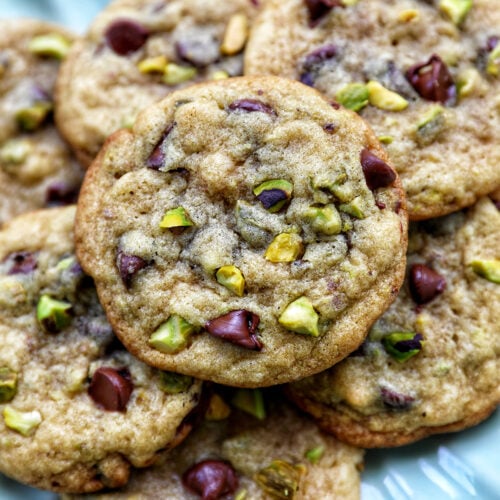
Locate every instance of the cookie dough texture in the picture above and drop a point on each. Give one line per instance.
(74, 445)
(100, 91)
(217, 142)
(454, 381)
(446, 154)
(37, 168)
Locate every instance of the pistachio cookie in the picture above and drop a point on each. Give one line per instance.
(37, 168)
(282, 454)
(431, 363)
(76, 409)
(138, 51)
(244, 231)
(424, 74)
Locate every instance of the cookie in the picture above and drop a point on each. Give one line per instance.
(76, 409)
(424, 74)
(138, 51)
(37, 168)
(283, 455)
(244, 231)
(431, 362)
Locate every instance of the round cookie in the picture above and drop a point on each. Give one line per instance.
(431, 363)
(232, 234)
(424, 74)
(138, 51)
(76, 410)
(37, 168)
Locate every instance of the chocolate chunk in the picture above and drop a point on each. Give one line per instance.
(60, 193)
(271, 197)
(330, 128)
(22, 262)
(307, 79)
(125, 36)
(425, 283)
(320, 8)
(156, 159)
(129, 265)
(411, 344)
(492, 42)
(251, 106)
(211, 479)
(237, 327)
(395, 400)
(433, 81)
(111, 388)
(314, 61)
(377, 172)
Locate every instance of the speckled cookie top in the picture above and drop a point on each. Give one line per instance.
(76, 409)
(233, 236)
(136, 52)
(431, 363)
(424, 74)
(36, 167)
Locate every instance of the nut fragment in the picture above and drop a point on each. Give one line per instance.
(238, 327)
(431, 125)
(455, 10)
(173, 335)
(211, 479)
(175, 74)
(50, 45)
(235, 36)
(217, 409)
(111, 388)
(353, 96)
(425, 283)
(232, 278)
(24, 422)
(488, 269)
(174, 383)
(300, 317)
(33, 117)
(15, 151)
(403, 345)
(280, 479)
(274, 194)
(325, 219)
(286, 247)
(53, 315)
(156, 64)
(314, 454)
(383, 98)
(8, 384)
(493, 63)
(176, 217)
(250, 401)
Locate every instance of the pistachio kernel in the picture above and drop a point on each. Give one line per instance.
(219, 75)
(403, 345)
(408, 15)
(493, 63)
(176, 217)
(274, 194)
(217, 409)
(455, 10)
(238, 327)
(431, 125)
(300, 317)
(8, 384)
(175, 74)
(235, 36)
(314, 454)
(385, 99)
(386, 139)
(50, 45)
(280, 479)
(470, 82)
(354, 96)
(250, 401)
(153, 65)
(232, 278)
(173, 335)
(286, 247)
(174, 383)
(324, 219)
(24, 422)
(15, 151)
(488, 269)
(355, 207)
(53, 315)
(31, 118)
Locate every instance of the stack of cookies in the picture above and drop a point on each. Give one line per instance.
(234, 304)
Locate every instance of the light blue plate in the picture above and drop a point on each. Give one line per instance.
(455, 466)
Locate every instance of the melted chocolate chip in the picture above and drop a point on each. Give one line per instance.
(22, 262)
(330, 128)
(410, 345)
(156, 159)
(377, 172)
(251, 106)
(395, 400)
(129, 265)
(433, 81)
(211, 479)
(320, 8)
(111, 388)
(125, 36)
(237, 327)
(60, 193)
(314, 61)
(425, 283)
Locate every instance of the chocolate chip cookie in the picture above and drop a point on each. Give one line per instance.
(138, 51)
(37, 168)
(431, 363)
(244, 231)
(76, 409)
(424, 74)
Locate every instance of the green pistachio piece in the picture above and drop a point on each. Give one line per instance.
(300, 317)
(15, 151)
(324, 219)
(177, 217)
(280, 479)
(385, 99)
(455, 10)
(32, 118)
(314, 454)
(173, 335)
(274, 194)
(353, 96)
(236, 35)
(53, 315)
(241, 495)
(65, 263)
(153, 65)
(403, 345)
(50, 45)
(174, 383)
(24, 422)
(250, 401)
(469, 81)
(355, 207)
(286, 247)
(386, 139)
(488, 269)
(217, 409)
(431, 125)
(175, 74)
(493, 64)
(219, 75)
(232, 278)
(8, 384)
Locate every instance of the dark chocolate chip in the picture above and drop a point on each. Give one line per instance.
(125, 36)
(314, 61)
(320, 8)
(492, 42)
(237, 327)
(395, 400)
(270, 197)
(307, 79)
(433, 81)
(22, 262)
(411, 344)
(377, 172)
(251, 106)
(129, 265)
(156, 159)
(111, 388)
(330, 128)
(425, 283)
(60, 193)
(211, 479)
(380, 204)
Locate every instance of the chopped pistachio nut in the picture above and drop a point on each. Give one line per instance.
(128, 121)
(386, 139)
(8, 384)
(53, 315)
(314, 454)
(50, 45)
(470, 82)
(408, 15)
(241, 495)
(353, 96)
(274, 194)
(175, 74)
(173, 335)
(300, 317)
(174, 383)
(15, 151)
(177, 217)
(431, 125)
(250, 401)
(280, 479)
(403, 345)
(493, 64)
(324, 219)
(219, 75)
(455, 10)
(383, 98)
(31, 118)
(488, 269)
(24, 422)
(156, 64)
(65, 263)
(235, 36)
(217, 409)
(232, 278)
(286, 247)
(348, 3)
(355, 207)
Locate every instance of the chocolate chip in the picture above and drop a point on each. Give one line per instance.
(237, 327)
(492, 42)
(251, 106)
(320, 8)
(395, 400)
(380, 204)
(211, 479)
(156, 159)
(271, 197)
(433, 81)
(425, 283)
(330, 128)
(125, 36)
(377, 172)
(22, 262)
(410, 345)
(60, 193)
(111, 388)
(129, 265)
(314, 61)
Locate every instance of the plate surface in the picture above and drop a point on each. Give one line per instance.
(455, 466)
